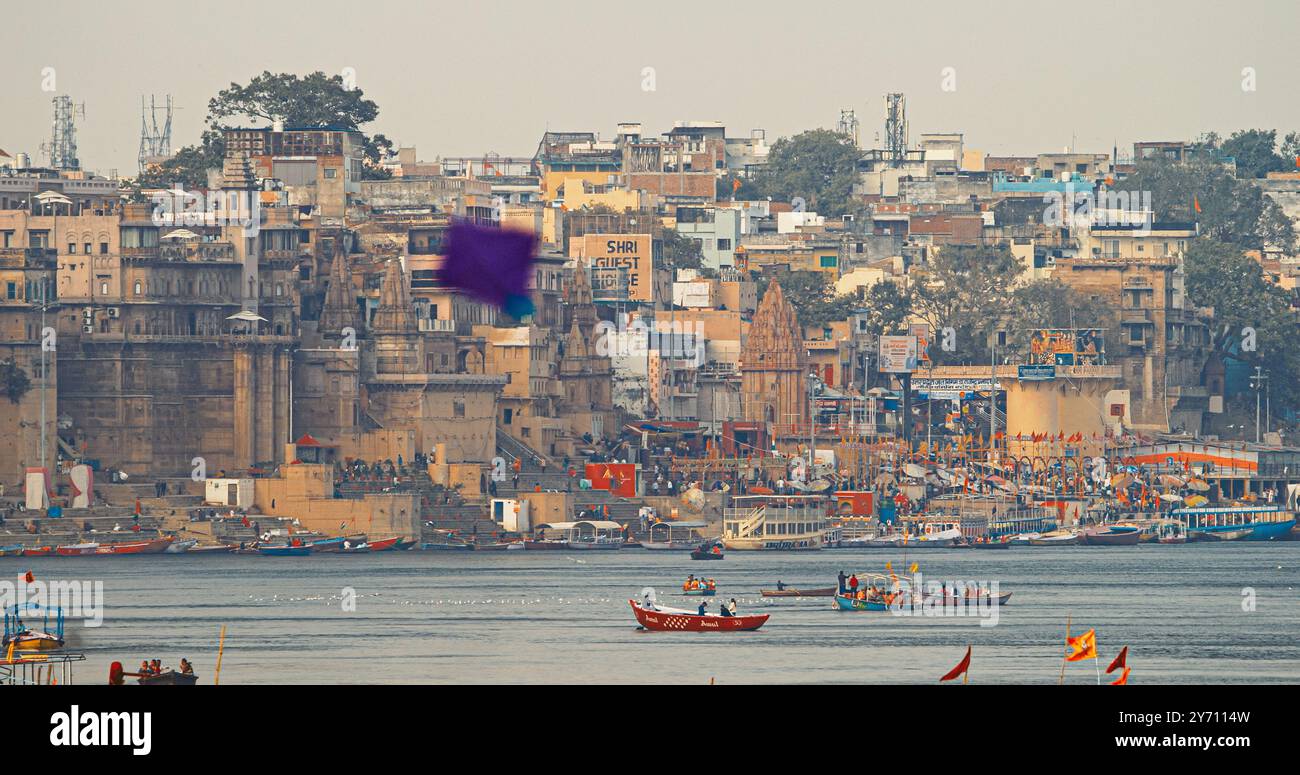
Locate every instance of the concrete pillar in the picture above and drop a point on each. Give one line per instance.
(282, 404)
(243, 414)
(264, 425)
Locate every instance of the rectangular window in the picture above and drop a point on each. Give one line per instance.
(72, 248)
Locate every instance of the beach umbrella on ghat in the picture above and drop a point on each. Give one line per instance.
(1199, 485)
(914, 471)
(1120, 481)
(1170, 497)
(1169, 480)
(1196, 500)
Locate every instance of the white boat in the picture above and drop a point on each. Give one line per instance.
(1055, 538)
(1023, 539)
(778, 523)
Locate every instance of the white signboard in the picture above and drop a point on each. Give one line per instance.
(898, 354)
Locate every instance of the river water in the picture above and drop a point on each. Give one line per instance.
(563, 617)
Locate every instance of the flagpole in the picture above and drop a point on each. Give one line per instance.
(1067, 640)
(1096, 659)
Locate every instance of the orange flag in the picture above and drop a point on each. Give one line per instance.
(960, 669)
(1122, 680)
(1119, 661)
(28, 577)
(1196, 203)
(735, 185)
(1082, 647)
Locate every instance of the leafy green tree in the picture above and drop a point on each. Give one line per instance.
(1219, 275)
(189, 166)
(967, 288)
(818, 165)
(1255, 151)
(314, 100)
(888, 306)
(1051, 303)
(1231, 210)
(14, 381)
(681, 251)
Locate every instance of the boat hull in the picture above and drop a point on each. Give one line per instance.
(1055, 541)
(156, 546)
(1122, 538)
(662, 621)
(698, 555)
(699, 592)
(284, 551)
(181, 547)
(34, 641)
(844, 603)
(169, 678)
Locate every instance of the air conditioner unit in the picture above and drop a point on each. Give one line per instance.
(88, 313)
(87, 329)
(114, 312)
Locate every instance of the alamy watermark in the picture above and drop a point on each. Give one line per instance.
(178, 208)
(36, 599)
(670, 339)
(1085, 209)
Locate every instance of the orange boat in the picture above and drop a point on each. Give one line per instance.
(38, 551)
(676, 620)
(156, 546)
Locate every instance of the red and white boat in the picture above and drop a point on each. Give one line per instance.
(383, 544)
(662, 619)
(156, 546)
(38, 551)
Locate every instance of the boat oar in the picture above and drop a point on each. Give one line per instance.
(221, 646)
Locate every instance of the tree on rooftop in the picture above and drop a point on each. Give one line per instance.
(1255, 151)
(1052, 304)
(1232, 210)
(314, 100)
(819, 165)
(888, 305)
(681, 251)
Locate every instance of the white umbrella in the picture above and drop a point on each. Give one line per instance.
(180, 234)
(247, 315)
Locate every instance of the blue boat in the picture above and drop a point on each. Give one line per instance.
(284, 551)
(1263, 523)
(845, 603)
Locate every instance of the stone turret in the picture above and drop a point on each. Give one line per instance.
(340, 308)
(774, 363)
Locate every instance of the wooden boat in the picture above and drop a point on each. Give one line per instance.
(403, 544)
(284, 550)
(492, 547)
(22, 637)
(32, 640)
(678, 620)
(981, 599)
(1114, 535)
(446, 546)
(168, 678)
(11, 551)
(336, 543)
(1055, 538)
(545, 545)
(384, 544)
(700, 592)
(701, 553)
(38, 551)
(77, 550)
(799, 592)
(211, 549)
(1236, 523)
(155, 546)
(990, 545)
(598, 543)
(180, 547)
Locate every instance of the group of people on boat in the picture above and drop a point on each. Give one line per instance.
(693, 583)
(155, 667)
(725, 609)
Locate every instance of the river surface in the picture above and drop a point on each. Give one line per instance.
(563, 617)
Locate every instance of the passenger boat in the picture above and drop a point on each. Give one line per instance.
(155, 546)
(77, 550)
(662, 536)
(661, 619)
(284, 550)
(799, 592)
(182, 546)
(489, 547)
(1171, 532)
(778, 523)
(168, 678)
(336, 543)
(1111, 535)
(846, 603)
(710, 550)
(38, 551)
(983, 599)
(583, 535)
(1055, 538)
(701, 592)
(22, 637)
(212, 549)
(1259, 523)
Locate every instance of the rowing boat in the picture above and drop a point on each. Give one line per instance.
(677, 620)
(797, 592)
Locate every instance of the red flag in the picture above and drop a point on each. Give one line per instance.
(1196, 203)
(1122, 680)
(1119, 661)
(28, 577)
(960, 669)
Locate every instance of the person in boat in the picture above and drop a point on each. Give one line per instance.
(713, 584)
(186, 667)
(156, 666)
(144, 668)
(717, 549)
(689, 581)
(843, 581)
(703, 609)
(724, 611)
(648, 602)
(780, 586)
(731, 607)
(853, 585)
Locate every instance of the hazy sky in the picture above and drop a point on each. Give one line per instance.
(469, 78)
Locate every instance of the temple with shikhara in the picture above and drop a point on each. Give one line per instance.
(773, 364)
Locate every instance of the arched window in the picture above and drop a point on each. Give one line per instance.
(138, 288)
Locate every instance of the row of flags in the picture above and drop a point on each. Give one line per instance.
(1079, 648)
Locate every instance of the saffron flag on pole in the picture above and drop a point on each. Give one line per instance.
(28, 577)
(1196, 202)
(960, 669)
(491, 265)
(1120, 661)
(1082, 647)
(1123, 678)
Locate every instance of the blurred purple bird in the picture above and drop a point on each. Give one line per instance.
(490, 264)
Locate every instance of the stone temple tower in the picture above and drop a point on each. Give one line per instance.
(773, 364)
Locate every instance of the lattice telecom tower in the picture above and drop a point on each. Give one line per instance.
(154, 142)
(896, 127)
(61, 150)
(848, 125)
